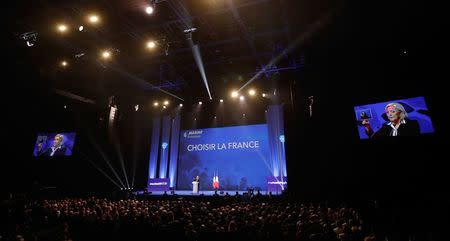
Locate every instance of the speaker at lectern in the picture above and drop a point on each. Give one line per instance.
(195, 185)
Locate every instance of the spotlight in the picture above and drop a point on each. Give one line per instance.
(63, 63)
(93, 19)
(62, 28)
(234, 94)
(166, 102)
(149, 10)
(221, 100)
(155, 104)
(136, 107)
(81, 28)
(200, 102)
(164, 107)
(181, 105)
(151, 44)
(264, 95)
(252, 92)
(106, 54)
(242, 97)
(65, 107)
(215, 117)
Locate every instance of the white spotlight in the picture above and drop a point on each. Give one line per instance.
(63, 63)
(106, 54)
(149, 10)
(93, 19)
(136, 107)
(62, 28)
(155, 104)
(242, 97)
(164, 107)
(221, 100)
(181, 105)
(151, 44)
(252, 92)
(234, 94)
(264, 95)
(166, 102)
(200, 102)
(81, 28)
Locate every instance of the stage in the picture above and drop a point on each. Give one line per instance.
(201, 193)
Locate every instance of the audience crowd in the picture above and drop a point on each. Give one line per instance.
(178, 218)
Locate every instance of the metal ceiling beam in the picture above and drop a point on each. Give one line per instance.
(192, 18)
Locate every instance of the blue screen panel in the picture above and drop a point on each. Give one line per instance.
(54, 144)
(238, 156)
(415, 108)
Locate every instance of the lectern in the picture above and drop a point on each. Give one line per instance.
(195, 187)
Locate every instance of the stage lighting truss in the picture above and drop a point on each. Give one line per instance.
(190, 30)
(80, 55)
(30, 38)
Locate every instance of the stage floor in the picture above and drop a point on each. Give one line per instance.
(201, 193)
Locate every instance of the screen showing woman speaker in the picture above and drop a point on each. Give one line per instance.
(54, 144)
(402, 117)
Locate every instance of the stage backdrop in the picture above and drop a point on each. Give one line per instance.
(237, 158)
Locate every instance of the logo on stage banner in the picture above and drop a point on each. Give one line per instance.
(158, 184)
(276, 184)
(193, 134)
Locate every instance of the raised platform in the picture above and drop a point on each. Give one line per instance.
(201, 193)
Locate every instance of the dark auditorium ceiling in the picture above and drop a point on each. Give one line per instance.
(236, 39)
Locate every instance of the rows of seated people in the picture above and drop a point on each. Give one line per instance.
(181, 219)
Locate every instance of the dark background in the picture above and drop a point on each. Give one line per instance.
(357, 57)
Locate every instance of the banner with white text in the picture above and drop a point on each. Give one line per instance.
(227, 158)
